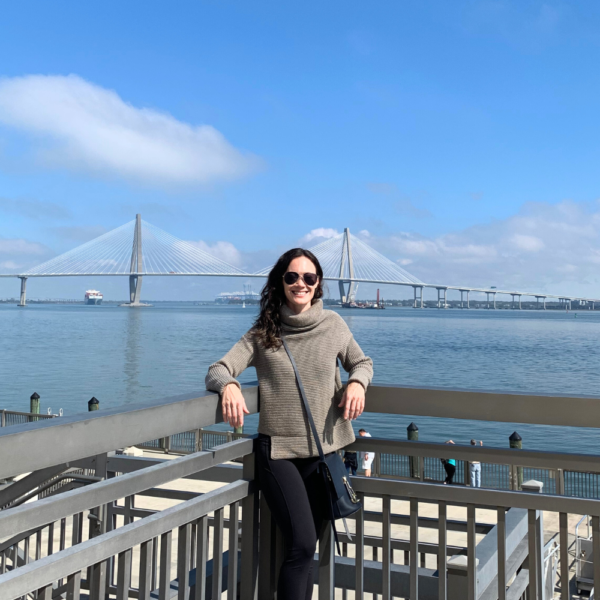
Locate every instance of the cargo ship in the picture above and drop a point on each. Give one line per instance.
(93, 297)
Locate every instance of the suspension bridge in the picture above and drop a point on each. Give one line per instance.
(139, 249)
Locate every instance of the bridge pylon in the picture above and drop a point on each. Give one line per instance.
(23, 298)
(137, 266)
(347, 269)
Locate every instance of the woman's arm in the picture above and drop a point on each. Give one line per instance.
(358, 366)
(221, 377)
(360, 369)
(225, 371)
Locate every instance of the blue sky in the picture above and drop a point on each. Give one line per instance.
(461, 138)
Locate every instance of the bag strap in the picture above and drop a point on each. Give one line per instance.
(305, 401)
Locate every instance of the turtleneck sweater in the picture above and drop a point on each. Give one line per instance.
(317, 338)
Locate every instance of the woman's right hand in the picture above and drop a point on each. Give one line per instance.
(234, 405)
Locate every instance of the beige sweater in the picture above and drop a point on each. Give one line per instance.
(316, 338)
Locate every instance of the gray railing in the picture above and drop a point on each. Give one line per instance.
(98, 538)
(13, 417)
(188, 442)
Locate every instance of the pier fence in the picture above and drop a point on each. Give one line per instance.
(417, 539)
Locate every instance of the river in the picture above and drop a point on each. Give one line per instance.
(69, 353)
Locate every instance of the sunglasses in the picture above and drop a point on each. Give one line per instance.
(309, 279)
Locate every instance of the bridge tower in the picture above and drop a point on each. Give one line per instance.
(137, 265)
(347, 256)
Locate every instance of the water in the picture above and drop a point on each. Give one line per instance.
(70, 353)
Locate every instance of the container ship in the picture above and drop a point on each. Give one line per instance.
(93, 297)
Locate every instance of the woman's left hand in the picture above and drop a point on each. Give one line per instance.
(353, 401)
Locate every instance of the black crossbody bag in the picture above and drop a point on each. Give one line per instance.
(341, 498)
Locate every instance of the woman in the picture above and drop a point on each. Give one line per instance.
(286, 455)
(367, 457)
(449, 467)
(351, 462)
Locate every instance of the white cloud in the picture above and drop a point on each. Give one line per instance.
(545, 248)
(528, 243)
(83, 127)
(224, 250)
(321, 232)
(18, 254)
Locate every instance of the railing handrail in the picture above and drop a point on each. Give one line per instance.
(53, 508)
(27, 414)
(483, 405)
(97, 432)
(482, 497)
(19, 582)
(101, 431)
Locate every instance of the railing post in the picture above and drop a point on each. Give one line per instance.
(3, 418)
(249, 566)
(560, 482)
(377, 465)
(98, 574)
(198, 440)
(457, 577)
(266, 559)
(537, 487)
(326, 563)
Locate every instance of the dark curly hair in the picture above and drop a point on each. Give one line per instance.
(267, 327)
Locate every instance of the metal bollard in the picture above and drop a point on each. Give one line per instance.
(412, 434)
(516, 442)
(34, 405)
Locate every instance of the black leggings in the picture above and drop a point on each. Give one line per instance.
(295, 494)
(450, 470)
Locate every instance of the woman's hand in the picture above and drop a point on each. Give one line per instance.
(234, 405)
(353, 401)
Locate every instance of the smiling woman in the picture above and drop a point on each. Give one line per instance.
(287, 452)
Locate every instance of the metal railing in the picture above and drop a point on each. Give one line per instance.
(13, 417)
(188, 442)
(98, 538)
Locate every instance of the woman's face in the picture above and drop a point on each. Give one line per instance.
(299, 295)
